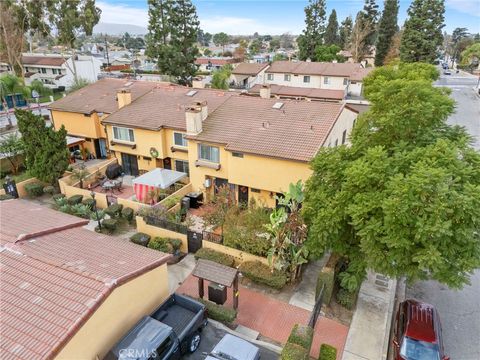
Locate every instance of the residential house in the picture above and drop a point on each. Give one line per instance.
(68, 292)
(368, 59)
(82, 111)
(215, 63)
(292, 92)
(247, 75)
(150, 132)
(318, 75)
(56, 71)
(5, 68)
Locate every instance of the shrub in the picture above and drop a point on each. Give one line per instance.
(294, 352)
(261, 273)
(6, 197)
(325, 277)
(58, 196)
(127, 213)
(49, 190)
(347, 298)
(327, 352)
(80, 210)
(301, 335)
(161, 244)
(216, 256)
(171, 201)
(140, 238)
(219, 312)
(75, 199)
(176, 244)
(100, 213)
(110, 224)
(66, 208)
(34, 189)
(89, 203)
(114, 210)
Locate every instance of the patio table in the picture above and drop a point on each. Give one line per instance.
(110, 185)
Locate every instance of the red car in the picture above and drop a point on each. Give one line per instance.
(417, 333)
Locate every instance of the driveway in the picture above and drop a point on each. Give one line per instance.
(459, 310)
(211, 336)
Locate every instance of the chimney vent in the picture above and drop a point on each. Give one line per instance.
(265, 92)
(124, 97)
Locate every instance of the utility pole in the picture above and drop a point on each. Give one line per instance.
(106, 51)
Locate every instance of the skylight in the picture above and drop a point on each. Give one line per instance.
(277, 105)
(191, 92)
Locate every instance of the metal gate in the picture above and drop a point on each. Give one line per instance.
(194, 241)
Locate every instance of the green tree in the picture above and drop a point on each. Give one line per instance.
(471, 55)
(332, 36)
(173, 28)
(422, 33)
(221, 39)
(314, 30)
(81, 83)
(274, 44)
(81, 173)
(328, 53)
(359, 39)
(404, 198)
(255, 46)
(204, 38)
(11, 147)
(387, 28)
(46, 154)
(370, 17)
(345, 32)
(10, 85)
(458, 35)
(221, 77)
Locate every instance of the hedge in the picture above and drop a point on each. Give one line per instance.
(260, 273)
(327, 352)
(140, 238)
(216, 256)
(75, 199)
(110, 224)
(301, 335)
(114, 210)
(6, 197)
(161, 244)
(89, 203)
(346, 298)
(294, 352)
(34, 189)
(219, 312)
(127, 213)
(327, 277)
(49, 189)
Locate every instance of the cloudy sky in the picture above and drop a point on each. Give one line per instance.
(275, 16)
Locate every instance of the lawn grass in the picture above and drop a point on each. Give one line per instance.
(22, 176)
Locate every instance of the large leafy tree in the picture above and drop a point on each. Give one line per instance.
(404, 198)
(458, 35)
(332, 36)
(11, 147)
(221, 39)
(370, 20)
(345, 32)
(45, 150)
(173, 27)
(422, 33)
(324, 53)
(314, 30)
(387, 28)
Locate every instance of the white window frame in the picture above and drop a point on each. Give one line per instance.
(287, 77)
(43, 70)
(305, 78)
(200, 157)
(183, 162)
(184, 141)
(270, 77)
(131, 134)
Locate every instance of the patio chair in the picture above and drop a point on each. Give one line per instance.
(118, 185)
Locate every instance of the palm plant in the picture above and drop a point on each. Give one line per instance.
(11, 85)
(80, 174)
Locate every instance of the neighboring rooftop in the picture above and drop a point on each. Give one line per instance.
(286, 129)
(359, 108)
(165, 107)
(44, 60)
(55, 274)
(101, 96)
(301, 92)
(251, 69)
(314, 68)
(218, 61)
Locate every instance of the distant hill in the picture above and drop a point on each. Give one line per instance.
(118, 29)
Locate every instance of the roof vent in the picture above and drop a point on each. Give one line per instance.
(191, 93)
(128, 83)
(277, 105)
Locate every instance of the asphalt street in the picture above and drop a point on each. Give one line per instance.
(211, 336)
(459, 309)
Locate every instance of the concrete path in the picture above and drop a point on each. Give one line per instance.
(177, 273)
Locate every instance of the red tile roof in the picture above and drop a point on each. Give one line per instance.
(249, 68)
(55, 277)
(101, 96)
(292, 91)
(43, 60)
(314, 68)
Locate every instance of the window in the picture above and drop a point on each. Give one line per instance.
(306, 79)
(254, 190)
(344, 136)
(326, 80)
(270, 77)
(182, 166)
(26, 69)
(123, 134)
(179, 139)
(237, 154)
(44, 71)
(345, 81)
(54, 71)
(208, 153)
(286, 77)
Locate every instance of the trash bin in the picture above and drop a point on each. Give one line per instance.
(185, 205)
(217, 293)
(196, 199)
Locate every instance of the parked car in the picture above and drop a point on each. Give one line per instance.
(234, 348)
(447, 72)
(417, 333)
(171, 331)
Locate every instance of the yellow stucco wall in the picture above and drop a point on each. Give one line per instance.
(78, 124)
(240, 256)
(155, 231)
(123, 308)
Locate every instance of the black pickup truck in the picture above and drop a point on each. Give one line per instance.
(171, 331)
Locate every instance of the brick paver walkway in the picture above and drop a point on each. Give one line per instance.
(274, 319)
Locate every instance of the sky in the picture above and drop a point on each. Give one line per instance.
(276, 16)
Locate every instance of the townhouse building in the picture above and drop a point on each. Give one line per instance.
(317, 75)
(215, 63)
(56, 71)
(247, 75)
(256, 146)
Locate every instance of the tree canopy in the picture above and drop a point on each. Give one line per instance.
(328, 53)
(387, 28)
(404, 198)
(332, 36)
(345, 32)
(314, 30)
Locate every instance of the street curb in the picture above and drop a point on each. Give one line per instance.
(276, 349)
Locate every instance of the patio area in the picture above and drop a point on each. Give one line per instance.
(127, 192)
